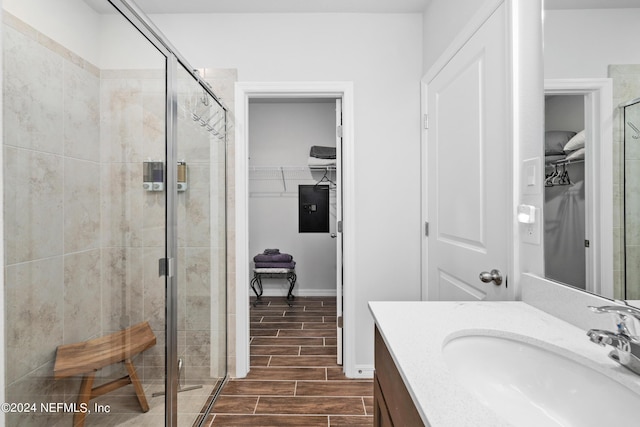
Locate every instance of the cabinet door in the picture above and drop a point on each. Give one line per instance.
(381, 416)
(394, 405)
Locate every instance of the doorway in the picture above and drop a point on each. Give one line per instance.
(598, 177)
(292, 194)
(285, 180)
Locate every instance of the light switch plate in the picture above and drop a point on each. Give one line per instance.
(532, 176)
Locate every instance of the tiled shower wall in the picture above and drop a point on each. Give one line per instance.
(132, 220)
(626, 86)
(52, 216)
(82, 238)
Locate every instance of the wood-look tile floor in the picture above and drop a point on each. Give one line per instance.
(294, 379)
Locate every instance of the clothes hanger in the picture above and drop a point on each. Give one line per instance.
(325, 178)
(548, 182)
(564, 178)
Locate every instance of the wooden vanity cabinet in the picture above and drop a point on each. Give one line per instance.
(392, 404)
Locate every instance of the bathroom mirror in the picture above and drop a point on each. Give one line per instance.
(589, 40)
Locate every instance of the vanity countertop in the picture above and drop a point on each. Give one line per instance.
(415, 332)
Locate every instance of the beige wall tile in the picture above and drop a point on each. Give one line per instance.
(35, 314)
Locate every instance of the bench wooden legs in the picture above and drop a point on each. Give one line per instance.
(83, 398)
(88, 392)
(137, 385)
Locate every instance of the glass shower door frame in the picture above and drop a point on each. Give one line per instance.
(168, 265)
(625, 206)
(171, 260)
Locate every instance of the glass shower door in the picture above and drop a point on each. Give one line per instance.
(84, 155)
(632, 199)
(114, 159)
(200, 172)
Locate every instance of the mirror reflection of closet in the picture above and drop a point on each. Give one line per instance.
(564, 191)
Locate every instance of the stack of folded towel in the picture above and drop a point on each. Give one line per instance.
(322, 156)
(272, 258)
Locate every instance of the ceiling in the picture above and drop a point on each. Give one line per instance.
(326, 6)
(591, 4)
(271, 6)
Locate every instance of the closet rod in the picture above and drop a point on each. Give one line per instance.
(569, 161)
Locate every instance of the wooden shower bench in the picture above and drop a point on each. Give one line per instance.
(85, 358)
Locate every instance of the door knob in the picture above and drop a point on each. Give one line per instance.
(334, 235)
(494, 276)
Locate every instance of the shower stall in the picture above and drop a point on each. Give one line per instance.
(114, 168)
(631, 148)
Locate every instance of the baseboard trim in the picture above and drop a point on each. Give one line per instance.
(362, 372)
(278, 291)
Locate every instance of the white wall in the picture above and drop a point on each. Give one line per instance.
(442, 21)
(94, 37)
(281, 134)
(72, 23)
(382, 55)
(582, 43)
(116, 33)
(564, 112)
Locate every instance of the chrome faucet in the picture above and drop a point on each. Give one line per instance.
(626, 345)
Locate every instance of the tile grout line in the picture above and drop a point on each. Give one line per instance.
(255, 408)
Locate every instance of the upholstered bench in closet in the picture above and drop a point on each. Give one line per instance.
(273, 264)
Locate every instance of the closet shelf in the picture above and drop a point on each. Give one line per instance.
(289, 168)
(289, 173)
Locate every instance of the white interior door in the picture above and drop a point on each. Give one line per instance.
(338, 233)
(469, 169)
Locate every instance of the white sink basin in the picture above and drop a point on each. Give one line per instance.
(534, 384)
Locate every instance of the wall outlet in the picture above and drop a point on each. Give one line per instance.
(531, 232)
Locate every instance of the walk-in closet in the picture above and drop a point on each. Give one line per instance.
(293, 179)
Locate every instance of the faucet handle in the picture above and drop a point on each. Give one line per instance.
(623, 312)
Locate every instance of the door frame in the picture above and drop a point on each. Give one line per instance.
(244, 91)
(598, 95)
